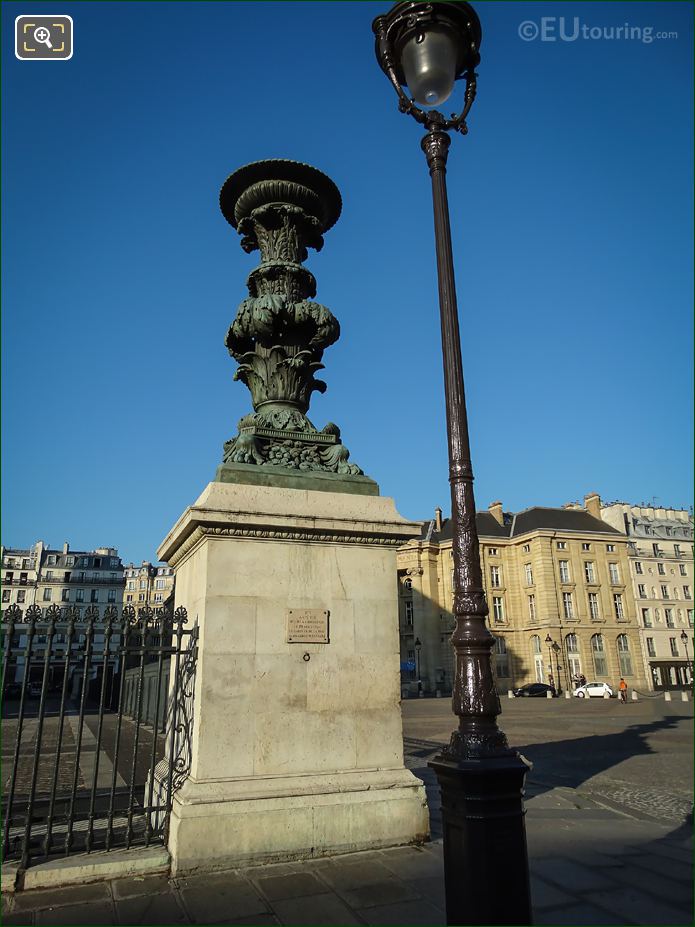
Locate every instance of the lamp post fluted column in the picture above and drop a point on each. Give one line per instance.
(427, 47)
(480, 777)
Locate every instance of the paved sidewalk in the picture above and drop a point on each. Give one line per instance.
(589, 865)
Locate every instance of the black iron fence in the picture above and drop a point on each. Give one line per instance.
(96, 727)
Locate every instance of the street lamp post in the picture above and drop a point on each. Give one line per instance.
(417, 645)
(428, 46)
(554, 647)
(684, 638)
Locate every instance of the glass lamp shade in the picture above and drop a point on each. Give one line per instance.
(429, 66)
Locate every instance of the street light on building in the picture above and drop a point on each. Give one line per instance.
(428, 47)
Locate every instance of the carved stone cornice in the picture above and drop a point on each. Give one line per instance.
(303, 535)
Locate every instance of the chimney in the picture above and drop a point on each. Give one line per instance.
(592, 503)
(495, 509)
(438, 519)
(66, 547)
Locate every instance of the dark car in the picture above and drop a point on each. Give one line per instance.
(535, 690)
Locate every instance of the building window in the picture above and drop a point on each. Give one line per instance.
(586, 546)
(408, 613)
(526, 548)
(94, 596)
(683, 569)
(589, 572)
(407, 584)
(593, 606)
(641, 591)
(674, 646)
(112, 595)
(528, 570)
(51, 560)
(49, 575)
(79, 595)
(614, 573)
(498, 608)
(646, 618)
(495, 577)
(492, 551)
(143, 583)
(65, 595)
(564, 571)
(664, 591)
(618, 605)
(69, 561)
(567, 604)
(131, 584)
(562, 545)
(47, 595)
(661, 569)
(572, 643)
(598, 654)
(624, 656)
(158, 596)
(668, 614)
(651, 649)
(638, 568)
(656, 550)
(691, 617)
(6, 595)
(129, 598)
(686, 592)
(501, 658)
(677, 550)
(610, 548)
(21, 595)
(536, 643)
(532, 607)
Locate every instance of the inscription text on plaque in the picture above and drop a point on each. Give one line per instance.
(307, 626)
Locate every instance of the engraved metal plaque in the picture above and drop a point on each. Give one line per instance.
(307, 626)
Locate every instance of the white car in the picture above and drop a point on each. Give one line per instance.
(593, 690)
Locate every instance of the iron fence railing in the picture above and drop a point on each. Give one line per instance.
(84, 767)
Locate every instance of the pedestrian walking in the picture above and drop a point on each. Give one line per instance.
(622, 687)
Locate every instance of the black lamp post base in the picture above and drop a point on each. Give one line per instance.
(485, 859)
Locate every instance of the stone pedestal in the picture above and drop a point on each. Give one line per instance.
(297, 747)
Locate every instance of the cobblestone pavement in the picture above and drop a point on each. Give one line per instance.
(594, 860)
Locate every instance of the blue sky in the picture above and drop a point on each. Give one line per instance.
(571, 203)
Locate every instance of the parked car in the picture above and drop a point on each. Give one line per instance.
(593, 690)
(535, 690)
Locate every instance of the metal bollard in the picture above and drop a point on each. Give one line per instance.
(606, 695)
(684, 696)
(548, 694)
(635, 697)
(510, 694)
(667, 696)
(568, 694)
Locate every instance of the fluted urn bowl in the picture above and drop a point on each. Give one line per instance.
(265, 183)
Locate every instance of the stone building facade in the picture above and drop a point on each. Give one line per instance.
(147, 585)
(43, 576)
(660, 554)
(562, 574)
